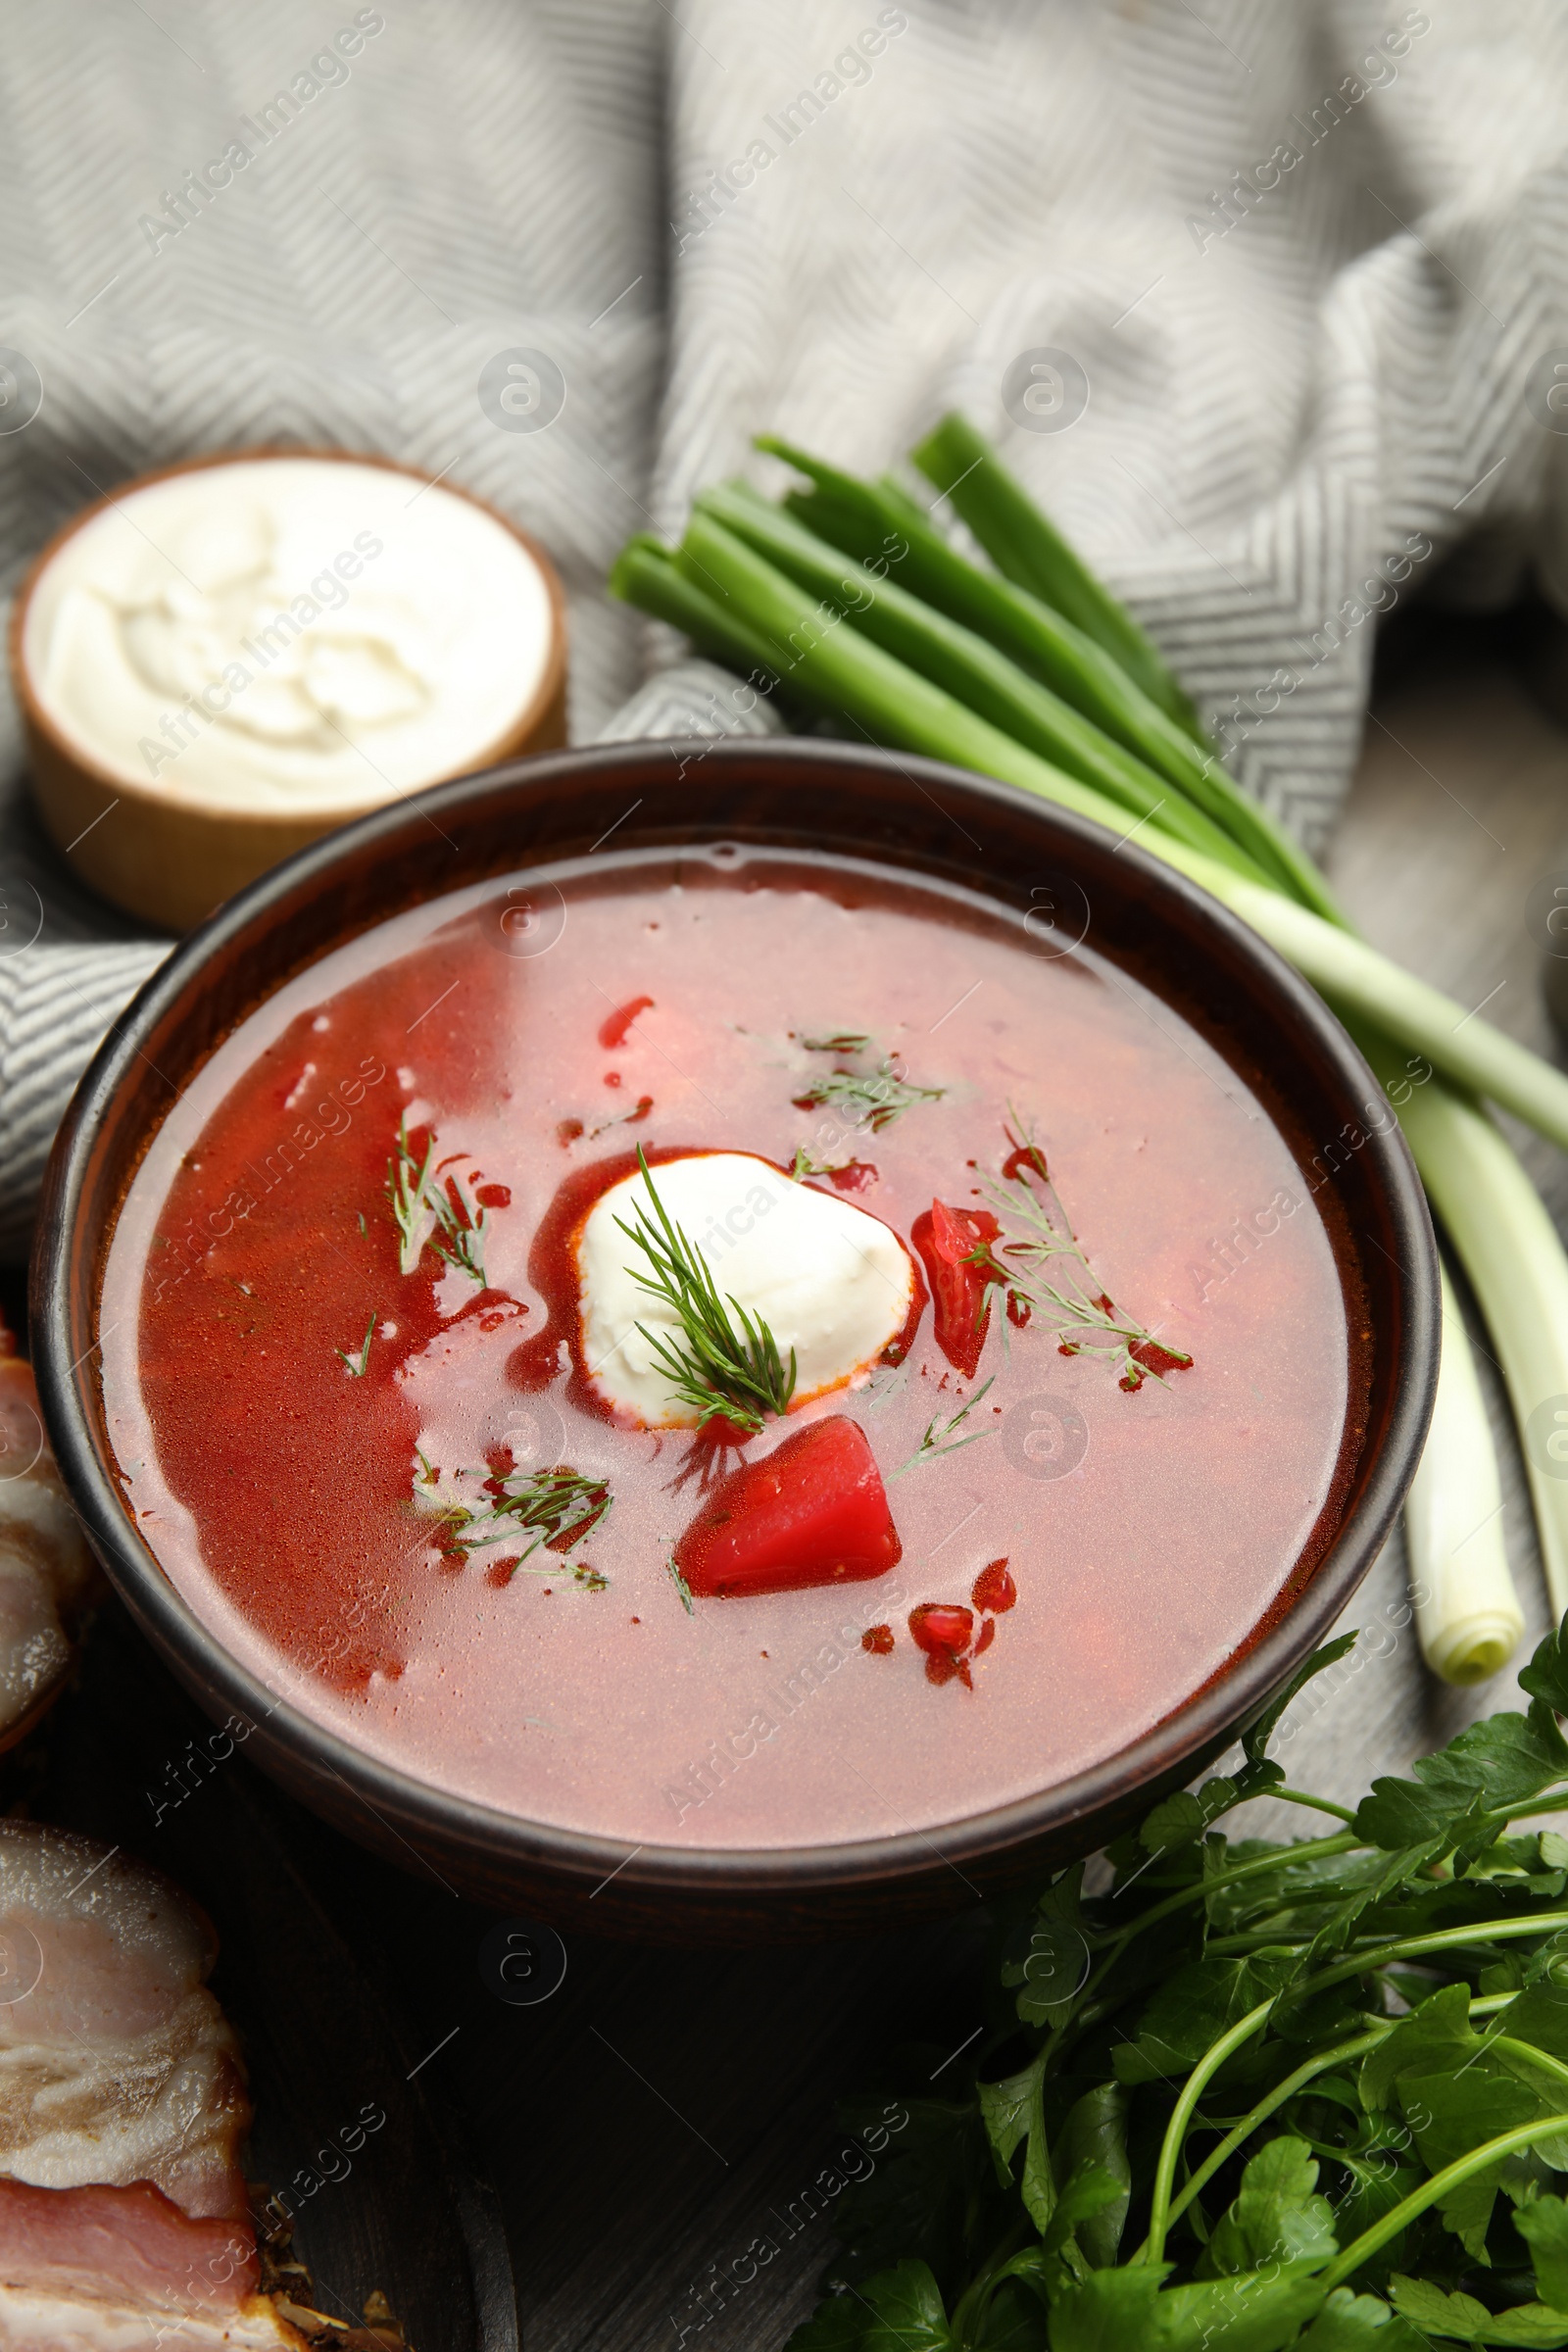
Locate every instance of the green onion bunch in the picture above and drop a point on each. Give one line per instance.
(849, 601)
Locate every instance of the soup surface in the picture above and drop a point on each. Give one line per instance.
(345, 1375)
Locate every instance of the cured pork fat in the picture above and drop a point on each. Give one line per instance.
(47, 1575)
(124, 2221)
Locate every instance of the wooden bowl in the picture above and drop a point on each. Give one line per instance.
(170, 857)
(902, 812)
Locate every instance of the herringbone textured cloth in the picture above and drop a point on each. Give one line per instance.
(1264, 301)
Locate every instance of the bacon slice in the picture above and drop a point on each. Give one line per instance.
(33, 2320)
(117, 2064)
(47, 1575)
(94, 2270)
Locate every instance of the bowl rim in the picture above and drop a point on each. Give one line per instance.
(152, 791)
(1232, 1697)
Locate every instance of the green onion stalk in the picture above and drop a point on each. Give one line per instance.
(1509, 1247)
(1467, 1613)
(1027, 548)
(1035, 675)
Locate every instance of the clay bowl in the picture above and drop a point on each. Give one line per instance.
(168, 856)
(904, 813)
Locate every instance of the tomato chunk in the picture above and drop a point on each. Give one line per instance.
(615, 1026)
(941, 1625)
(814, 1512)
(993, 1588)
(947, 1239)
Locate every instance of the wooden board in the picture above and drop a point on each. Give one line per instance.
(407, 2215)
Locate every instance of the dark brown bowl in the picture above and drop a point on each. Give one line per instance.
(911, 814)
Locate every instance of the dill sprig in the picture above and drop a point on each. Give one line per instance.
(555, 1507)
(682, 1588)
(864, 1098)
(803, 1165)
(721, 1372)
(941, 1440)
(358, 1364)
(427, 1208)
(842, 1040)
(460, 1229)
(1047, 1274)
(408, 1189)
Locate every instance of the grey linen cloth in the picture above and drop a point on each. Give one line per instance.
(1266, 302)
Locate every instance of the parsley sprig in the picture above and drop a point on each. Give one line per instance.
(1038, 1267)
(724, 1363)
(1253, 2096)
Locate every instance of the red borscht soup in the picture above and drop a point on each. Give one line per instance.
(727, 1350)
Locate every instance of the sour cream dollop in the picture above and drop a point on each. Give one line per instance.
(830, 1281)
(288, 633)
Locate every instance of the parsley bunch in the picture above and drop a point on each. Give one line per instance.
(1256, 2095)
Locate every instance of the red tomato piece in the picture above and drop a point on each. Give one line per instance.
(941, 1628)
(988, 1634)
(947, 1239)
(1024, 1158)
(1148, 1355)
(812, 1513)
(878, 1639)
(994, 1589)
(612, 1030)
(855, 1176)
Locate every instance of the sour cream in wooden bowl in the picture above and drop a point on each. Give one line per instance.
(219, 663)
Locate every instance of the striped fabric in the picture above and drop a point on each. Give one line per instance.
(1265, 300)
(58, 1002)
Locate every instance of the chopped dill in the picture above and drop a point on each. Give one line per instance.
(426, 1208)
(408, 1190)
(1038, 1267)
(358, 1364)
(804, 1165)
(941, 1440)
(719, 1372)
(551, 1507)
(864, 1098)
(682, 1588)
(843, 1041)
(460, 1229)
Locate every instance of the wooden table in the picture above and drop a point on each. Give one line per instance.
(665, 2109)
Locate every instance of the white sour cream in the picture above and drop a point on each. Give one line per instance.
(288, 633)
(829, 1281)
